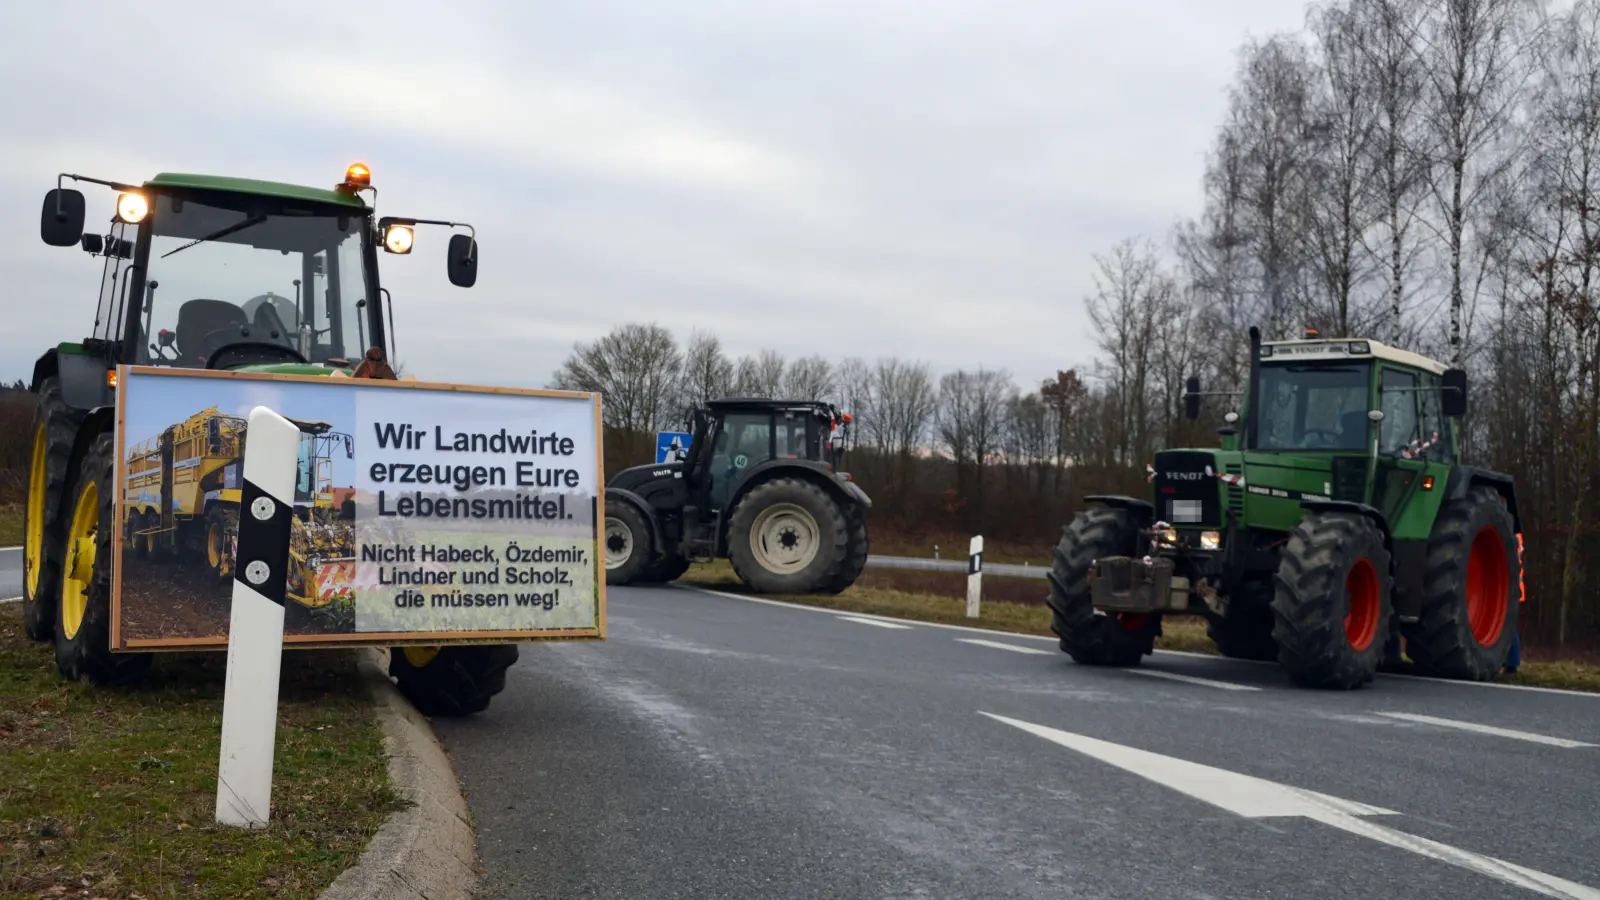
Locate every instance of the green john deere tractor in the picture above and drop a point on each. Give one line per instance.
(1336, 524)
(213, 273)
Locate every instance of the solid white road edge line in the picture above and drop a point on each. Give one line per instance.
(1208, 656)
(1258, 798)
(11, 600)
(1487, 729)
(4, 549)
(1002, 645)
(1190, 679)
(863, 621)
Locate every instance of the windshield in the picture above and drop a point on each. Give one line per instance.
(219, 275)
(1314, 407)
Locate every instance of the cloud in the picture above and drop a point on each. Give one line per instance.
(911, 177)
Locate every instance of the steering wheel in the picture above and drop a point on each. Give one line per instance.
(1331, 441)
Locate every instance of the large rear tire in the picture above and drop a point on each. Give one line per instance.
(451, 681)
(859, 548)
(1332, 604)
(83, 618)
(1470, 595)
(628, 544)
(53, 429)
(1090, 637)
(788, 536)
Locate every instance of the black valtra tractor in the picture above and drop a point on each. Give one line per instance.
(760, 487)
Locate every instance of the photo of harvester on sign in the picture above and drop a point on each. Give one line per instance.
(181, 522)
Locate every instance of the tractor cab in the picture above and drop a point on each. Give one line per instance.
(744, 434)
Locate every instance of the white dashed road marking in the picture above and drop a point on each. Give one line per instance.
(1001, 645)
(1190, 679)
(1487, 729)
(880, 624)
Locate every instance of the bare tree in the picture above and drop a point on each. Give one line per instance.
(707, 372)
(1473, 54)
(808, 378)
(903, 402)
(1269, 119)
(636, 370)
(1131, 292)
(1391, 70)
(971, 422)
(1340, 172)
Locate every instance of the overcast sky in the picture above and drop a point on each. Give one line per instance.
(873, 177)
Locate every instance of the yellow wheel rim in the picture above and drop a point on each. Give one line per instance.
(33, 541)
(81, 547)
(214, 546)
(421, 656)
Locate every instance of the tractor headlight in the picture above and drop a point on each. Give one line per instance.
(1210, 540)
(132, 208)
(1167, 536)
(398, 239)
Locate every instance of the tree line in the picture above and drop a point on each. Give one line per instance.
(1420, 172)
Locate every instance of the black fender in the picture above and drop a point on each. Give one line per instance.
(841, 490)
(1360, 509)
(1144, 512)
(623, 495)
(83, 379)
(1464, 478)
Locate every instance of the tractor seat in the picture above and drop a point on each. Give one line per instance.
(198, 324)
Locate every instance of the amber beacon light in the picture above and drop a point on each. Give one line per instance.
(358, 175)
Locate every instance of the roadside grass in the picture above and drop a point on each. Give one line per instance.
(907, 595)
(10, 524)
(111, 792)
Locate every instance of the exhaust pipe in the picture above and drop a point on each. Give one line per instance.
(1253, 391)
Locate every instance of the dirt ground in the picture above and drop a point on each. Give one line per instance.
(166, 599)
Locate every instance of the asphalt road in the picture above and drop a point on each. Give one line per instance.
(717, 747)
(10, 573)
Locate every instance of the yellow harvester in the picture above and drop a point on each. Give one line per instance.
(182, 498)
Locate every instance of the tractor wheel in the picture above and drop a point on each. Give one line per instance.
(83, 619)
(53, 429)
(1091, 637)
(1246, 631)
(451, 681)
(221, 525)
(664, 570)
(859, 548)
(787, 536)
(628, 544)
(1332, 603)
(1470, 597)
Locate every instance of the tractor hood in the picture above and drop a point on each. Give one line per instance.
(631, 479)
(1200, 488)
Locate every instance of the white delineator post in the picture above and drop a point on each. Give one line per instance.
(974, 575)
(255, 623)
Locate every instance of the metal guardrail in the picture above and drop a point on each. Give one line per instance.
(1008, 570)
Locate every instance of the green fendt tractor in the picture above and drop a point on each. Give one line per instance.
(1337, 524)
(212, 273)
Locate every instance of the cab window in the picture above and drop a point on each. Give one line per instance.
(1429, 400)
(1399, 404)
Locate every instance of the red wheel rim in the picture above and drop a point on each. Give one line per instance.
(1488, 586)
(1361, 622)
(1130, 621)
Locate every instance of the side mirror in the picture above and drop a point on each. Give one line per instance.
(61, 219)
(463, 260)
(1453, 398)
(1191, 397)
(92, 244)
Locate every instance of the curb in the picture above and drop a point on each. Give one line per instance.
(427, 850)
